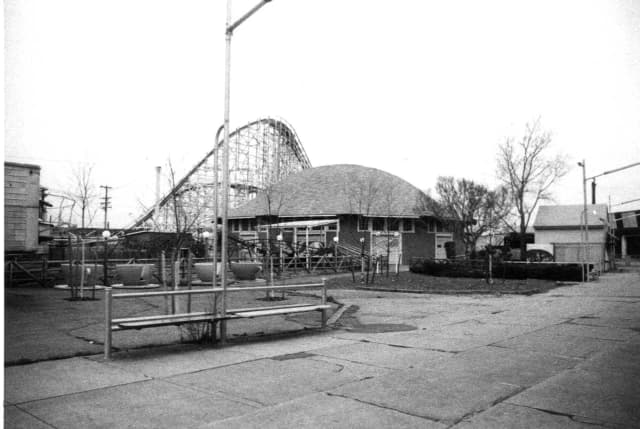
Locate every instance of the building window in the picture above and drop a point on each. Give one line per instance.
(393, 224)
(363, 223)
(408, 225)
(377, 224)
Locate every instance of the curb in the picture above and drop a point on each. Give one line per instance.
(452, 292)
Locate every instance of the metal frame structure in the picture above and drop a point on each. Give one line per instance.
(261, 153)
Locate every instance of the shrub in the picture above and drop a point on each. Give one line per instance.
(507, 270)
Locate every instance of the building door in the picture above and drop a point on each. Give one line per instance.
(441, 252)
(379, 245)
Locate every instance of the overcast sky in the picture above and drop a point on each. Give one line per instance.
(417, 88)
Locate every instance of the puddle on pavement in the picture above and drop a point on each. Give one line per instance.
(290, 356)
(380, 328)
(351, 323)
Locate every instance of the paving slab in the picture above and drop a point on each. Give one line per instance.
(321, 410)
(506, 416)
(604, 396)
(161, 362)
(600, 332)
(60, 377)
(289, 344)
(488, 332)
(514, 317)
(146, 404)
(561, 345)
(495, 364)
(15, 418)
(618, 321)
(271, 381)
(441, 399)
(43, 344)
(624, 358)
(384, 355)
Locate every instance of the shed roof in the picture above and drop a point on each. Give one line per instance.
(335, 190)
(569, 216)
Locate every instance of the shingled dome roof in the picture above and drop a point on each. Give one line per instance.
(335, 190)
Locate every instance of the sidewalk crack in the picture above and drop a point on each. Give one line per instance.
(432, 419)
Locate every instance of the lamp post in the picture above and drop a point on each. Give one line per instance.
(279, 237)
(335, 252)
(106, 234)
(205, 237)
(362, 259)
(585, 238)
(214, 252)
(229, 28)
(396, 234)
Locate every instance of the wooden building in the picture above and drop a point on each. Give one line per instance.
(22, 207)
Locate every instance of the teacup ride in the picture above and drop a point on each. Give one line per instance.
(135, 276)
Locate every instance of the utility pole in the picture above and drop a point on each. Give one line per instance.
(105, 233)
(106, 204)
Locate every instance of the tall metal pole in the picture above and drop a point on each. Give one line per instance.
(229, 27)
(225, 171)
(216, 189)
(585, 220)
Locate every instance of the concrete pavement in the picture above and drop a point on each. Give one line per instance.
(569, 358)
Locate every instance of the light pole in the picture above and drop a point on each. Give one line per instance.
(229, 28)
(585, 238)
(362, 240)
(106, 234)
(205, 237)
(214, 254)
(280, 239)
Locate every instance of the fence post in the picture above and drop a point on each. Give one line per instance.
(43, 277)
(324, 301)
(10, 273)
(163, 280)
(189, 274)
(107, 322)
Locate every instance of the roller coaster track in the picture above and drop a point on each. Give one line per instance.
(261, 153)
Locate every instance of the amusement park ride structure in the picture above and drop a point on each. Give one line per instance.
(261, 153)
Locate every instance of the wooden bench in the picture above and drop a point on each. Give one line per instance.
(215, 316)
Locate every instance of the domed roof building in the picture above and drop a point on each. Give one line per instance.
(345, 204)
(336, 190)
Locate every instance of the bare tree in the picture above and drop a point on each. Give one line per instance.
(185, 214)
(372, 195)
(469, 208)
(83, 193)
(528, 172)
